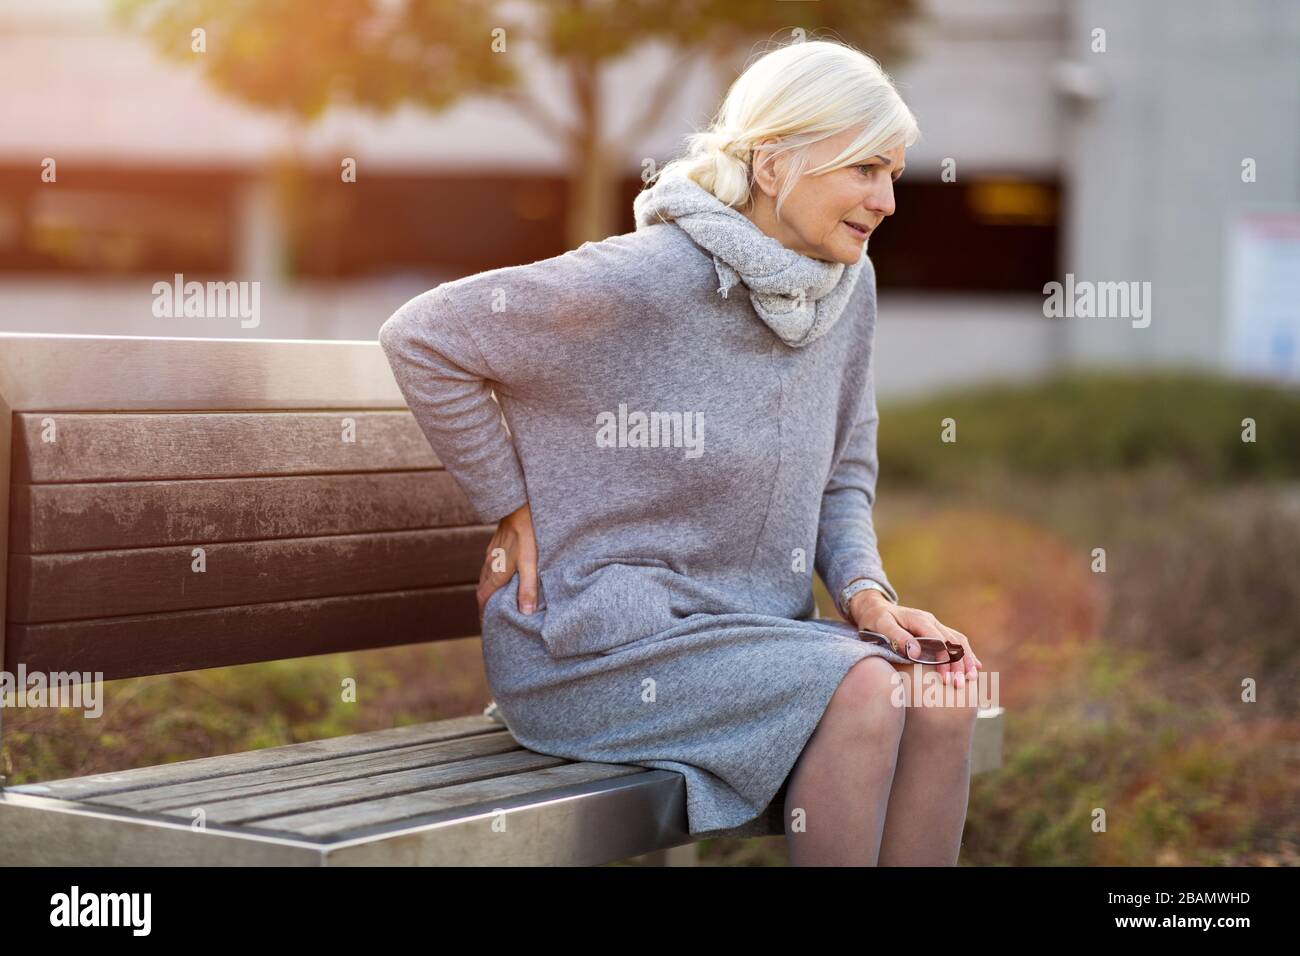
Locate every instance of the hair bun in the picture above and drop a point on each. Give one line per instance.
(723, 140)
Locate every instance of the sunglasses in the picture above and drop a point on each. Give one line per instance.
(930, 650)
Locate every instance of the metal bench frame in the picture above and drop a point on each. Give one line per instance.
(633, 811)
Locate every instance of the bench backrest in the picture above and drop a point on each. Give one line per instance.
(176, 504)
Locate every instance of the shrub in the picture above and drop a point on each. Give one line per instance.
(1093, 421)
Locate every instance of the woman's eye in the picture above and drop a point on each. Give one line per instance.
(869, 167)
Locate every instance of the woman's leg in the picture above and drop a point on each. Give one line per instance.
(838, 791)
(927, 807)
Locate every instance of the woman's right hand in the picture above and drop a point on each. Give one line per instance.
(512, 548)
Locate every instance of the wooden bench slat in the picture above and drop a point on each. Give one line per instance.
(109, 516)
(268, 758)
(366, 788)
(336, 821)
(135, 646)
(120, 446)
(97, 584)
(249, 788)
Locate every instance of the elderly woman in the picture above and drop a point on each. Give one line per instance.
(684, 414)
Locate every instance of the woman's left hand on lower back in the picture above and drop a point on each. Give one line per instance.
(872, 611)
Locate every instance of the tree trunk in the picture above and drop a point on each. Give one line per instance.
(593, 196)
(593, 183)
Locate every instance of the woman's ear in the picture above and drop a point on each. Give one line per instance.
(766, 168)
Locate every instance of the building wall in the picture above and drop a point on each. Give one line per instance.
(1185, 90)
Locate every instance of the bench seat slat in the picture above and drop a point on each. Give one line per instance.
(119, 446)
(135, 646)
(337, 821)
(297, 784)
(366, 788)
(62, 587)
(214, 768)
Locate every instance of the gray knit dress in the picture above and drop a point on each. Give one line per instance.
(689, 410)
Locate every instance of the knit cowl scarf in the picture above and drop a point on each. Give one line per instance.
(798, 297)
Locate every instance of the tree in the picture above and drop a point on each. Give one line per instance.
(301, 56)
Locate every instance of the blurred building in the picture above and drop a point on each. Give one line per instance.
(1183, 159)
(1112, 158)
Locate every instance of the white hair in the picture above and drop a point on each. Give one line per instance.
(800, 93)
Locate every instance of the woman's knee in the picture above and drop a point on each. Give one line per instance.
(936, 706)
(868, 698)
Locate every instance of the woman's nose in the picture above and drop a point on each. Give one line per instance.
(881, 201)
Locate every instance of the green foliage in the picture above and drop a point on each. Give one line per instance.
(298, 55)
(1092, 422)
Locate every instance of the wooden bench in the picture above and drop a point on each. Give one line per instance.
(127, 460)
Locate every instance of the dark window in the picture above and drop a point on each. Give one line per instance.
(984, 235)
(111, 222)
(444, 223)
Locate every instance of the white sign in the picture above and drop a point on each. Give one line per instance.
(1264, 294)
